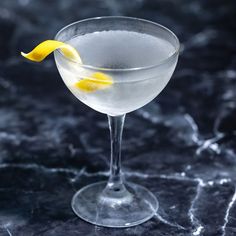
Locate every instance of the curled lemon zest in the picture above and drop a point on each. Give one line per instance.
(95, 81)
(40, 52)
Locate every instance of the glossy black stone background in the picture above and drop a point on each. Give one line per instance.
(181, 146)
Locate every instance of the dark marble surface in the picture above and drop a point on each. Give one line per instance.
(181, 146)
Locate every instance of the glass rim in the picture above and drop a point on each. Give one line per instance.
(91, 67)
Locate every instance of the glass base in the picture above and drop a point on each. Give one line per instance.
(122, 207)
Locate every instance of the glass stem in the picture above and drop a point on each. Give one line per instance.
(116, 124)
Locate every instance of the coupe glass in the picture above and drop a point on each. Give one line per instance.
(117, 203)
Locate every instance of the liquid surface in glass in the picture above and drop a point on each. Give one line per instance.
(121, 49)
(118, 49)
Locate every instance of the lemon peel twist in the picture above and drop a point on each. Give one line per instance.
(95, 81)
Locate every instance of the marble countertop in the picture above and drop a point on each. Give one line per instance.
(182, 146)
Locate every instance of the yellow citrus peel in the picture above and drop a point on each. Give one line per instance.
(97, 81)
(91, 83)
(40, 52)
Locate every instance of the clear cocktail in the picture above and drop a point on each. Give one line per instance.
(139, 57)
(118, 50)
